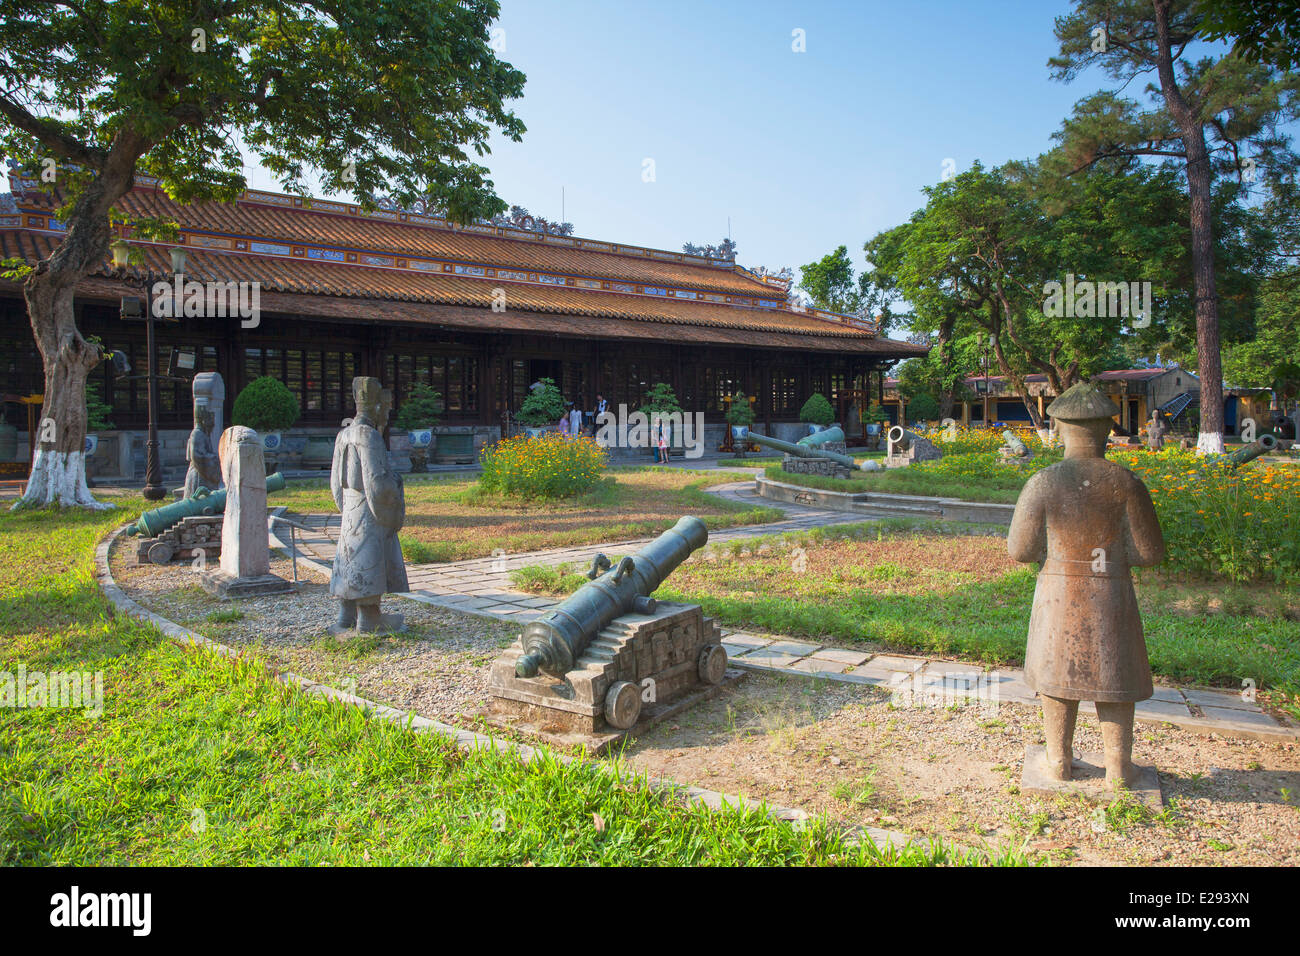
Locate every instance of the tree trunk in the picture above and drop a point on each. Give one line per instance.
(58, 475)
(1199, 175)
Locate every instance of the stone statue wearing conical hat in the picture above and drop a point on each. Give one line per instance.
(1088, 521)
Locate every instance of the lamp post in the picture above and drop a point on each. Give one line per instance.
(131, 309)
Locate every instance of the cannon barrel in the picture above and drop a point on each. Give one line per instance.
(901, 438)
(1013, 441)
(803, 451)
(557, 639)
(153, 523)
(817, 439)
(1260, 446)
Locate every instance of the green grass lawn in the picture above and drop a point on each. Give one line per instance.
(451, 519)
(929, 588)
(197, 759)
(1002, 488)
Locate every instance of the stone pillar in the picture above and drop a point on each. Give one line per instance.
(245, 568)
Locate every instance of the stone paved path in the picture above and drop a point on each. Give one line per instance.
(482, 586)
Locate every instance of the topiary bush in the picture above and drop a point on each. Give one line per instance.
(740, 411)
(266, 405)
(421, 409)
(662, 399)
(542, 406)
(549, 466)
(817, 410)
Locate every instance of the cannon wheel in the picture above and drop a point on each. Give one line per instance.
(623, 704)
(713, 663)
(161, 552)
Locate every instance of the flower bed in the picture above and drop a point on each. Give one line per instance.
(1242, 524)
(549, 466)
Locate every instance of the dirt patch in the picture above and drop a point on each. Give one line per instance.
(846, 752)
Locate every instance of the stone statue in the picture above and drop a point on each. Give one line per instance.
(1156, 431)
(245, 548)
(1088, 521)
(369, 495)
(205, 466)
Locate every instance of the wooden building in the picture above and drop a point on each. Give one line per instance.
(478, 312)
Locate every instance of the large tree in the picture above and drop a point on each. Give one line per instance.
(369, 96)
(978, 257)
(1216, 115)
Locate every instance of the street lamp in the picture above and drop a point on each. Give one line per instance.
(133, 310)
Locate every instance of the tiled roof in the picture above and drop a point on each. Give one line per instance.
(334, 250)
(353, 292)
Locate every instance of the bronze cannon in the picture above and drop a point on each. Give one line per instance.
(556, 640)
(832, 434)
(1248, 453)
(804, 451)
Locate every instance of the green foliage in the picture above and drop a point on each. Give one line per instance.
(829, 282)
(266, 405)
(15, 268)
(923, 407)
(740, 412)
(343, 90)
(660, 398)
(549, 466)
(817, 410)
(422, 408)
(97, 411)
(876, 414)
(1263, 30)
(542, 406)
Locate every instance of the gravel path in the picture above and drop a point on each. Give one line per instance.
(437, 667)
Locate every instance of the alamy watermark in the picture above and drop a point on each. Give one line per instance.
(639, 430)
(177, 297)
(24, 688)
(954, 688)
(1086, 299)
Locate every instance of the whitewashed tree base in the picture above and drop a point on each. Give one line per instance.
(1209, 443)
(59, 477)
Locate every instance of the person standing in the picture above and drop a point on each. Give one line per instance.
(575, 421)
(661, 455)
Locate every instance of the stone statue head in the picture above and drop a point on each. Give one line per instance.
(203, 418)
(1084, 417)
(369, 395)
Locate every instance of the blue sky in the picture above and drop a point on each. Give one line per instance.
(803, 151)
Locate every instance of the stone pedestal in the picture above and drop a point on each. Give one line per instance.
(1088, 781)
(794, 465)
(637, 671)
(227, 586)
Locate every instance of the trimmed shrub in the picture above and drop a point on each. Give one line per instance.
(549, 466)
(817, 410)
(421, 409)
(740, 412)
(266, 405)
(542, 406)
